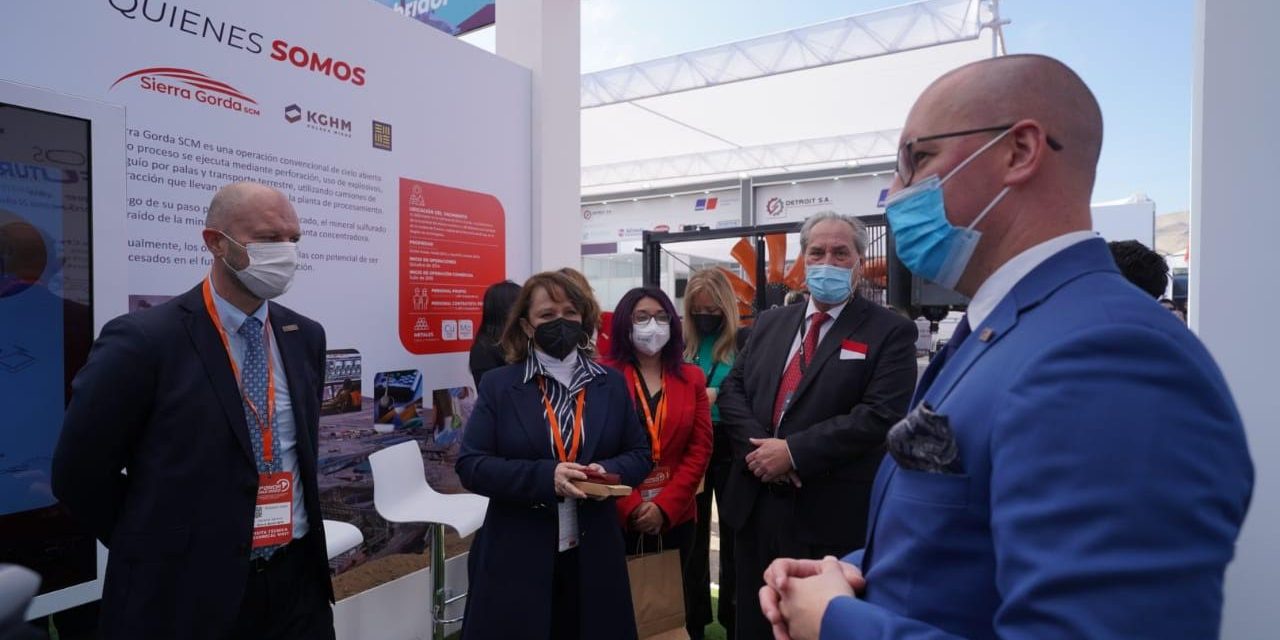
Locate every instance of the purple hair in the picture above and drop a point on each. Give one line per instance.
(623, 352)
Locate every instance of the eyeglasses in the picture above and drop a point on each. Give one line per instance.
(906, 152)
(643, 317)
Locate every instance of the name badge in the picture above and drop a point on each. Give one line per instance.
(567, 511)
(655, 483)
(273, 513)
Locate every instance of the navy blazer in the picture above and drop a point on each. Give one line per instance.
(507, 456)
(158, 397)
(1103, 477)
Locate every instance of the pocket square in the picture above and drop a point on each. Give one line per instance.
(289, 327)
(923, 441)
(852, 350)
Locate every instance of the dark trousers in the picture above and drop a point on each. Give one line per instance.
(565, 595)
(698, 569)
(769, 534)
(285, 598)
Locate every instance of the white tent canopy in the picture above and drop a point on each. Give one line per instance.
(822, 96)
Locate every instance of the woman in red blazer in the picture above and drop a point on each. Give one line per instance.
(670, 398)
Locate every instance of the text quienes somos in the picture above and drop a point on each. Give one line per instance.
(172, 16)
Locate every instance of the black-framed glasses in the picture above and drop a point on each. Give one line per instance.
(906, 152)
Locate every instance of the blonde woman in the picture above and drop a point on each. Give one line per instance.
(711, 342)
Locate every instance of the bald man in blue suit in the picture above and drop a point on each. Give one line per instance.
(1073, 465)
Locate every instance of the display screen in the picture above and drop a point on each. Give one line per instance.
(46, 329)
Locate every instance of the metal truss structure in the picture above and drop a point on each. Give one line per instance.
(912, 26)
(800, 153)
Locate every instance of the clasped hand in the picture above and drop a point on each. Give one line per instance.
(647, 518)
(771, 461)
(796, 593)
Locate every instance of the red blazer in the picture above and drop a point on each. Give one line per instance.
(686, 443)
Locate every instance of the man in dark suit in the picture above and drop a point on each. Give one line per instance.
(806, 407)
(189, 446)
(1073, 466)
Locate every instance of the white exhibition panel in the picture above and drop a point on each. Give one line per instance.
(1236, 96)
(1126, 221)
(401, 609)
(859, 195)
(222, 90)
(623, 222)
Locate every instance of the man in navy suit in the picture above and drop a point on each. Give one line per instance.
(1073, 465)
(189, 446)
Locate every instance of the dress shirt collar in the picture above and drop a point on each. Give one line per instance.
(834, 312)
(1000, 283)
(231, 316)
(583, 370)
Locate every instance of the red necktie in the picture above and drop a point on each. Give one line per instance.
(791, 376)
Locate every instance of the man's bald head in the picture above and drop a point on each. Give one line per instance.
(242, 198)
(1011, 88)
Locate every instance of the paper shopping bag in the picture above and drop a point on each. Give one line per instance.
(657, 593)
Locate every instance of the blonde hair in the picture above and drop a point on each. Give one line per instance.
(715, 285)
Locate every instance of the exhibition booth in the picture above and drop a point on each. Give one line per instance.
(424, 169)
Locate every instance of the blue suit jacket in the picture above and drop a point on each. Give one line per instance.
(1103, 477)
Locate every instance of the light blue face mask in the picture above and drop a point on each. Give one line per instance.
(927, 243)
(828, 283)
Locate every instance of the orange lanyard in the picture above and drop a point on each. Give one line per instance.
(654, 425)
(264, 427)
(553, 422)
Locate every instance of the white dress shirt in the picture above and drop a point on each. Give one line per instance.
(285, 429)
(823, 329)
(1010, 273)
(832, 314)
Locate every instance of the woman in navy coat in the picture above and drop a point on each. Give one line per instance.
(549, 562)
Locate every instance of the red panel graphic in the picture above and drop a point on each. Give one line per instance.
(452, 247)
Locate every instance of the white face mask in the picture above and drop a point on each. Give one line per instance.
(271, 267)
(650, 337)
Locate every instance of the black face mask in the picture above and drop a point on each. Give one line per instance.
(708, 324)
(558, 338)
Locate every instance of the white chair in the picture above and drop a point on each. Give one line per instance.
(401, 494)
(341, 537)
(18, 585)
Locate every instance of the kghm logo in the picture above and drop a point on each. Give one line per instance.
(318, 120)
(194, 86)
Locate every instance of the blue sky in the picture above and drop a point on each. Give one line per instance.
(1136, 55)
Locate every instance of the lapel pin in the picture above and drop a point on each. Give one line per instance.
(986, 335)
(293, 327)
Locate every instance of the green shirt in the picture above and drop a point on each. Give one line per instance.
(715, 371)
